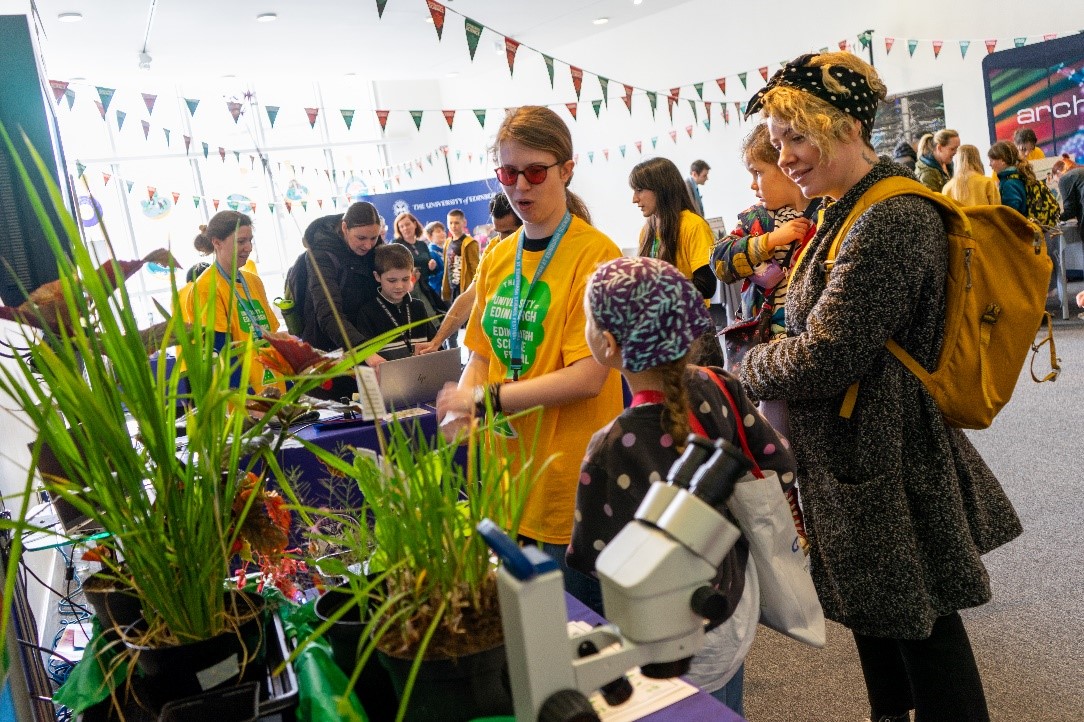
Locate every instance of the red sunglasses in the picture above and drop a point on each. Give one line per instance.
(535, 173)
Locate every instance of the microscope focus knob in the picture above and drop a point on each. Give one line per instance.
(567, 705)
(709, 603)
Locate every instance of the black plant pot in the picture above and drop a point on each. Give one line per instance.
(374, 687)
(184, 670)
(454, 690)
(115, 606)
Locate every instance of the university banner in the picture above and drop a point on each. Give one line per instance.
(433, 204)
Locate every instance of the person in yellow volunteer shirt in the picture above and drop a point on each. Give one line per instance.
(526, 330)
(241, 309)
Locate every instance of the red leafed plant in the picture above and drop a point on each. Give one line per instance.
(264, 534)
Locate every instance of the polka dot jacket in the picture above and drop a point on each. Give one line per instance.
(624, 458)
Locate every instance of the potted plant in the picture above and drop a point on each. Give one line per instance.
(428, 583)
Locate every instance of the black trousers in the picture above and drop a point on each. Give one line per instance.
(937, 677)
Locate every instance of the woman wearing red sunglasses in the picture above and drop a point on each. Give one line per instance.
(526, 330)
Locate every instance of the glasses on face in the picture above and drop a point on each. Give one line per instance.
(535, 173)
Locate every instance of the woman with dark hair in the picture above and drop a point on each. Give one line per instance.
(899, 506)
(1012, 172)
(409, 232)
(526, 329)
(241, 311)
(676, 233)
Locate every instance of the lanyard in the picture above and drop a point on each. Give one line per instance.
(257, 328)
(516, 343)
(655, 248)
(395, 322)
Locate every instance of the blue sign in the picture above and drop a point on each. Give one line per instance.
(433, 204)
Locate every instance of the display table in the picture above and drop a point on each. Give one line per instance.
(1070, 235)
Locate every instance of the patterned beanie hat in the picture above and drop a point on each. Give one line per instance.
(653, 311)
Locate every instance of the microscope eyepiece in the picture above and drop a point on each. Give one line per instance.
(714, 481)
(697, 451)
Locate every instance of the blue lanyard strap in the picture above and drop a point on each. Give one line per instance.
(516, 343)
(257, 327)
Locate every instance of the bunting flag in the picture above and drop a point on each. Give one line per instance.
(192, 103)
(689, 130)
(121, 115)
(320, 203)
(215, 202)
(699, 88)
(721, 82)
(990, 45)
(692, 104)
(549, 67)
(889, 42)
(146, 129)
(69, 95)
(673, 135)
(590, 156)
(106, 177)
(963, 48)
(60, 88)
(596, 105)
(129, 185)
(449, 117)
(106, 96)
(628, 96)
(606, 153)
(571, 109)
(79, 169)
(312, 113)
(639, 146)
(348, 116)
(474, 34)
(195, 201)
(764, 73)
(176, 197)
(742, 77)
(865, 39)
(937, 45)
(510, 48)
(237, 156)
(206, 150)
(222, 153)
(148, 100)
(1019, 42)
(577, 79)
(911, 45)
(417, 116)
(271, 206)
(726, 115)
(621, 149)
(436, 10)
(380, 5)
(654, 141)
(652, 99)
(1049, 36)
(151, 191)
(480, 114)
(604, 83)
(707, 114)
(166, 131)
(235, 110)
(670, 100)
(252, 206)
(272, 113)
(289, 206)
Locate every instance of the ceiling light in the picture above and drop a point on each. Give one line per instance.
(452, 74)
(637, 2)
(600, 21)
(70, 17)
(267, 17)
(144, 60)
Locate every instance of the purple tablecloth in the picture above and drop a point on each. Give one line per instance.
(700, 706)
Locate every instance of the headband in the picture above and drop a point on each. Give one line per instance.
(653, 312)
(859, 103)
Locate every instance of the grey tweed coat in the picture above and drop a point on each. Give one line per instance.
(899, 507)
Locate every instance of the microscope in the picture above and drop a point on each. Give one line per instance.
(656, 590)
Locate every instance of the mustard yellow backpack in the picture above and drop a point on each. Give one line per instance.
(995, 304)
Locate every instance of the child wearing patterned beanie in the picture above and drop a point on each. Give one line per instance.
(642, 317)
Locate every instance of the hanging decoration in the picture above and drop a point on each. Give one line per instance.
(312, 113)
(577, 79)
(474, 34)
(348, 116)
(436, 10)
(510, 48)
(148, 100)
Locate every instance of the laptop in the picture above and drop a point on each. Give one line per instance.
(416, 380)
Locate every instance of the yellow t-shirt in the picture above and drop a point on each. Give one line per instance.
(229, 318)
(695, 241)
(552, 329)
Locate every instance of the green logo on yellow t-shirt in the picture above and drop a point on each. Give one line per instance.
(497, 321)
(250, 308)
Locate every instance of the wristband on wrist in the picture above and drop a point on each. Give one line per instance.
(495, 398)
(493, 391)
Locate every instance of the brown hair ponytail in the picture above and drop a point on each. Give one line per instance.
(675, 419)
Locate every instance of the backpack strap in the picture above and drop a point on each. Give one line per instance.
(1055, 362)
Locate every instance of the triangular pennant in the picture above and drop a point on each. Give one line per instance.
(215, 203)
(60, 87)
(272, 113)
(673, 135)
(166, 131)
(699, 88)
(692, 104)
(911, 45)
(100, 107)
(176, 197)
(192, 103)
(937, 45)
(721, 82)
(571, 109)
(348, 116)
(1049, 36)
(990, 45)
(596, 105)
(621, 148)
(195, 201)
(121, 115)
(654, 141)
(417, 116)
(510, 48)
(889, 42)
(577, 79)
(707, 114)
(628, 96)
(222, 153)
(380, 5)
(639, 146)
(1018, 42)
(79, 169)
(590, 156)
(304, 205)
(726, 114)
(606, 153)
(271, 207)
(235, 109)
(865, 39)
(652, 99)
(707, 123)
(312, 113)
(237, 156)
(764, 73)
(449, 117)
(69, 95)
(480, 114)
(148, 100)
(604, 83)
(320, 203)
(429, 158)
(187, 144)
(549, 67)
(689, 130)
(151, 190)
(382, 116)
(670, 100)
(963, 48)
(436, 10)
(474, 34)
(742, 77)
(106, 95)
(252, 206)
(146, 129)
(106, 177)
(289, 206)
(129, 185)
